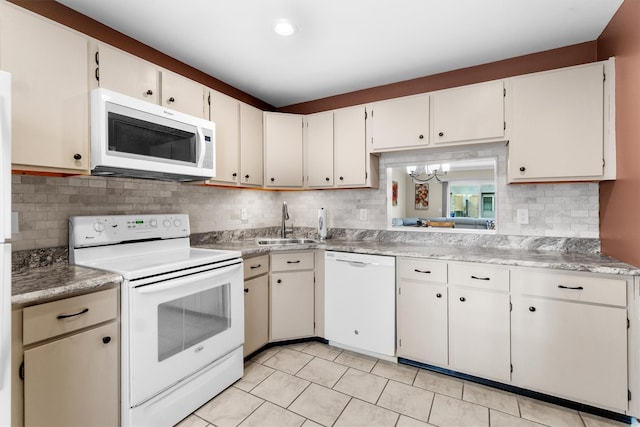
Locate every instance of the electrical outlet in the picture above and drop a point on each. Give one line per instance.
(363, 214)
(523, 216)
(243, 214)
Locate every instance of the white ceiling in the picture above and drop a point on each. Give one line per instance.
(346, 45)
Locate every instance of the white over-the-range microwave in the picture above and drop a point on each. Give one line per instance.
(134, 138)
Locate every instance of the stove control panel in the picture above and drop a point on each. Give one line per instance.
(110, 229)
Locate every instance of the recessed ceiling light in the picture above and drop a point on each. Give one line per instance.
(284, 27)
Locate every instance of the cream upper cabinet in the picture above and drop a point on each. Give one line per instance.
(50, 92)
(127, 74)
(318, 149)
(473, 113)
(401, 123)
(182, 94)
(351, 157)
(283, 150)
(559, 125)
(587, 316)
(251, 149)
(224, 111)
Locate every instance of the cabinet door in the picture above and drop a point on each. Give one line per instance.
(479, 342)
(50, 92)
(571, 350)
(256, 313)
(182, 94)
(401, 123)
(422, 322)
(557, 125)
(251, 152)
(318, 143)
(124, 73)
(350, 147)
(225, 113)
(73, 381)
(469, 113)
(291, 305)
(283, 150)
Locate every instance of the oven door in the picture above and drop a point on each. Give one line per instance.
(178, 326)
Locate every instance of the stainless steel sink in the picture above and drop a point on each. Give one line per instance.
(281, 241)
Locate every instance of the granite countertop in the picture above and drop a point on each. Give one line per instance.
(44, 284)
(593, 263)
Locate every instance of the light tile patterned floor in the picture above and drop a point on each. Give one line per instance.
(313, 384)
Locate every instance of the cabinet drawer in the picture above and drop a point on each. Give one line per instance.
(290, 261)
(479, 275)
(570, 286)
(47, 320)
(256, 266)
(423, 270)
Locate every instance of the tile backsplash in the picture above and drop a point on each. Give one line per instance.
(44, 204)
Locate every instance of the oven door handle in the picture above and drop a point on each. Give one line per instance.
(178, 282)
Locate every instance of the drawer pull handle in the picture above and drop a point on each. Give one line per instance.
(246, 290)
(438, 295)
(66, 316)
(480, 278)
(253, 267)
(293, 262)
(422, 271)
(106, 340)
(573, 288)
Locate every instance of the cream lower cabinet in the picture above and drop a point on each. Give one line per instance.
(569, 336)
(256, 303)
(291, 295)
(71, 355)
(422, 311)
(479, 331)
(50, 92)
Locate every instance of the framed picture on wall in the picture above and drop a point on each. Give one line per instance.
(422, 196)
(394, 193)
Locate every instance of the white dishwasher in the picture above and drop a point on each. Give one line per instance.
(360, 302)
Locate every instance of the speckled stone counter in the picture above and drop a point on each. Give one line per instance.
(587, 262)
(38, 285)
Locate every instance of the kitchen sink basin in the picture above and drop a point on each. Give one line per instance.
(281, 241)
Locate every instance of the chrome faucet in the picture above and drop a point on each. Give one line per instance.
(285, 217)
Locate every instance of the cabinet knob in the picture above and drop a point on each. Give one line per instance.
(149, 92)
(327, 179)
(246, 290)
(438, 295)
(356, 332)
(440, 133)
(172, 99)
(342, 178)
(463, 299)
(77, 156)
(279, 281)
(421, 137)
(522, 168)
(532, 309)
(234, 174)
(106, 340)
(246, 176)
(273, 179)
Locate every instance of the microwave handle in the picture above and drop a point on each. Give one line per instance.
(203, 146)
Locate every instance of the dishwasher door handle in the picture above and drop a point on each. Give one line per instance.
(357, 263)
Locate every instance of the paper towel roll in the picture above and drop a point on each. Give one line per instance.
(322, 224)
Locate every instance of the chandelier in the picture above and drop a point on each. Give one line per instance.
(427, 173)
